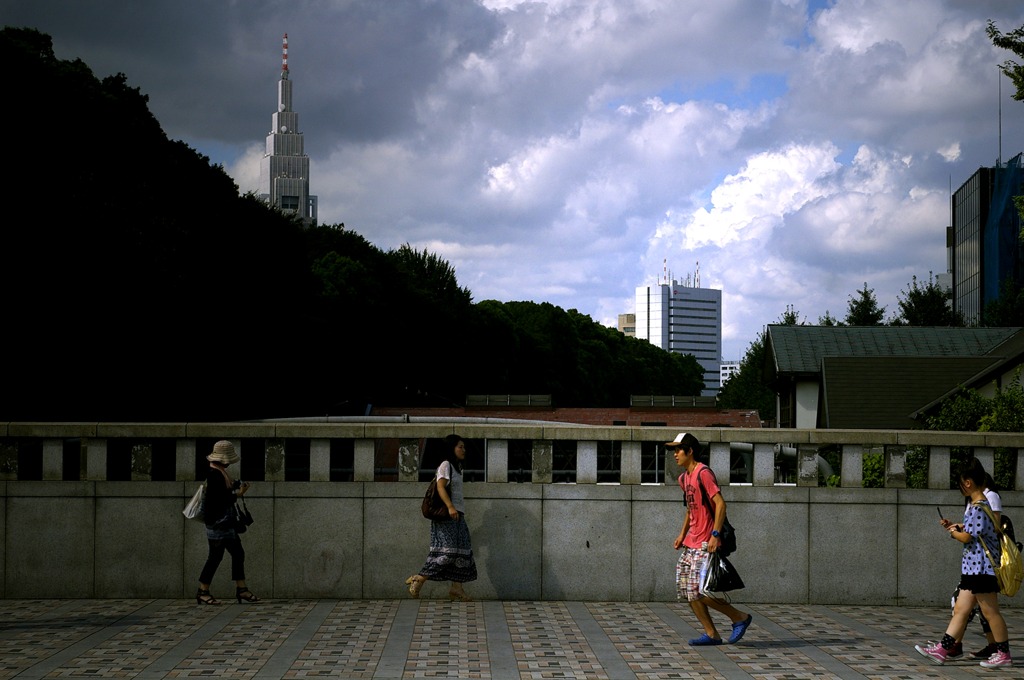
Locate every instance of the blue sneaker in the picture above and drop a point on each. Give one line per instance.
(738, 629)
(705, 640)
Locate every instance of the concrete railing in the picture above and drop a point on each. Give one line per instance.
(94, 510)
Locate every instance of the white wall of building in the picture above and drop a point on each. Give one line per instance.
(807, 404)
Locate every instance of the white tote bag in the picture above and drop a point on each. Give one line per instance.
(194, 508)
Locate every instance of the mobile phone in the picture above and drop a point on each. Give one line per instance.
(939, 510)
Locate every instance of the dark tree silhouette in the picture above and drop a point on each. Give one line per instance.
(926, 305)
(128, 299)
(864, 310)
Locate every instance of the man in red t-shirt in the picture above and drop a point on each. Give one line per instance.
(699, 538)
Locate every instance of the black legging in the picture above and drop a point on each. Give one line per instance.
(217, 548)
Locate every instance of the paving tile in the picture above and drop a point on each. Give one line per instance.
(405, 639)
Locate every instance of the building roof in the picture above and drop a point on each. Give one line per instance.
(884, 392)
(799, 350)
(1006, 356)
(632, 417)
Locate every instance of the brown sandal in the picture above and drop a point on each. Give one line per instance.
(415, 582)
(459, 595)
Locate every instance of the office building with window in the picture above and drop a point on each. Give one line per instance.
(685, 318)
(729, 369)
(627, 325)
(984, 242)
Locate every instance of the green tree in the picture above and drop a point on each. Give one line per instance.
(1013, 41)
(926, 305)
(1006, 310)
(829, 320)
(1006, 413)
(864, 310)
(339, 276)
(960, 413)
(970, 411)
(434, 276)
(790, 317)
(747, 388)
(583, 363)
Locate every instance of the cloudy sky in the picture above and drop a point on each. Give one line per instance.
(568, 151)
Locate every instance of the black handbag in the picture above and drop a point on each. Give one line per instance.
(241, 518)
(432, 507)
(727, 536)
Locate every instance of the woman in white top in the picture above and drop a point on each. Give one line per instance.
(451, 551)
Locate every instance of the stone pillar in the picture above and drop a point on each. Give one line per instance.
(319, 460)
(672, 470)
(631, 463)
(185, 460)
(987, 456)
(273, 460)
(896, 467)
(95, 452)
(1019, 478)
(496, 457)
(362, 460)
(851, 470)
(586, 462)
(543, 455)
(53, 460)
(764, 465)
(807, 465)
(720, 462)
(938, 468)
(409, 460)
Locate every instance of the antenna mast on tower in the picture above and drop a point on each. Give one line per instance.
(284, 57)
(1000, 162)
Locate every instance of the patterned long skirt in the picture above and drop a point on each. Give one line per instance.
(451, 553)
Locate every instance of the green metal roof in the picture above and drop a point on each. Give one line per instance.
(799, 350)
(882, 392)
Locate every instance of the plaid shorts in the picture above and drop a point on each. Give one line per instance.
(691, 561)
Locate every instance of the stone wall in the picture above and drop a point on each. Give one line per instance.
(798, 543)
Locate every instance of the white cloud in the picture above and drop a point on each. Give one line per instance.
(563, 151)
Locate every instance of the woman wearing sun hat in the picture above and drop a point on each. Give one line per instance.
(221, 493)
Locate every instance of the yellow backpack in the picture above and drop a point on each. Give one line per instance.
(1010, 570)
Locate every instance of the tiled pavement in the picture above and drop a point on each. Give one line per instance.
(150, 639)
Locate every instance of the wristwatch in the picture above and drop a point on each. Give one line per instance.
(714, 532)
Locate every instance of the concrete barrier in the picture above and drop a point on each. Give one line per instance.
(94, 537)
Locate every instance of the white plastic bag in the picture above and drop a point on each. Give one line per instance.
(194, 508)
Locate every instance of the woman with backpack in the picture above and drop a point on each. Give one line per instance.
(978, 582)
(996, 505)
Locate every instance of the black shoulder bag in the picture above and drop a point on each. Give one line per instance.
(727, 535)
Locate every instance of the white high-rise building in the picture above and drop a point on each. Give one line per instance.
(685, 318)
(284, 170)
(729, 369)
